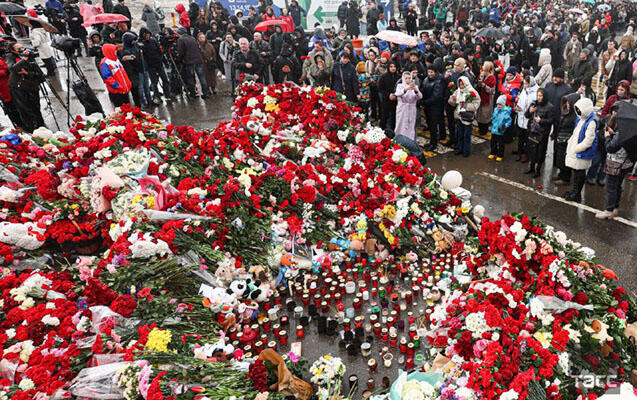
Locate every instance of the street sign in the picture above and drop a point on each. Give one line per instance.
(324, 12)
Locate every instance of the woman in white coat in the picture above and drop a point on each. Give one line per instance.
(41, 41)
(408, 94)
(545, 73)
(581, 146)
(527, 96)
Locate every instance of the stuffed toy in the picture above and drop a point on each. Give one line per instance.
(250, 289)
(443, 240)
(631, 333)
(599, 331)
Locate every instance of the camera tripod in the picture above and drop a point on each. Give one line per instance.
(49, 106)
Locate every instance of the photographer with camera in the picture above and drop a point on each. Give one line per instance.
(55, 13)
(189, 56)
(5, 94)
(24, 84)
(132, 56)
(76, 30)
(95, 48)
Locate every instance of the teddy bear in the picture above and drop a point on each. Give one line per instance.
(443, 240)
(599, 331)
(249, 289)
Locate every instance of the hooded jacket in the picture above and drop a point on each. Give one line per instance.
(152, 20)
(540, 131)
(511, 89)
(527, 96)
(466, 99)
(567, 118)
(152, 49)
(276, 40)
(136, 66)
(286, 66)
(584, 137)
(184, 19)
(112, 71)
(543, 76)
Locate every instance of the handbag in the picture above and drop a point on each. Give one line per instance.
(612, 168)
(467, 116)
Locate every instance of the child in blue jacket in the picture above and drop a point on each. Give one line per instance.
(500, 121)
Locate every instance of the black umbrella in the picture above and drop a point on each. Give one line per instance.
(490, 32)
(36, 23)
(9, 8)
(627, 127)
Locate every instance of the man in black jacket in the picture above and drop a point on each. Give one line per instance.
(433, 100)
(342, 13)
(344, 79)
(262, 48)
(246, 62)
(24, 84)
(373, 13)
(153, 56)
(122, 9)
(189, 55)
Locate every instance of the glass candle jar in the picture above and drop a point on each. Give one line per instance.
(372, 364)
(377, 329)
(393, 340)
(403, 345)
(387, 359)
(283, 337)
(366, 349)
(300, 331)
(266, 324)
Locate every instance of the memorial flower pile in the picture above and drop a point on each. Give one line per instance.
(144, 260)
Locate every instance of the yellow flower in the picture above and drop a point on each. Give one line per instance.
(158, 340)
(271, 107)
(74, 206)
(388, 212)
(150, 202)
(544, 338)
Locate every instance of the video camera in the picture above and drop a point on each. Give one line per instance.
(67, 44)
(29, 54)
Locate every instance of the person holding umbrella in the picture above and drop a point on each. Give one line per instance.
(618, 165)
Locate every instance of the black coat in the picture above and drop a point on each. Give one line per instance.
(286, 59)
(623, 70)
(75, 27)
(123, 10)
(539, 132)
(554, 94)
(240, 59)
(152, 52)
(344, 80)
(353, 20)
(188, 52)
(387, 86)
(433, 93)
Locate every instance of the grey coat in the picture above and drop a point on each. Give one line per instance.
(151, 18)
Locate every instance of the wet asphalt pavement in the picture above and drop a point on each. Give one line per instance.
(500, 187)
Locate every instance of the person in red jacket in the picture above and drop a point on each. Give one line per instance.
(114, 76)
(184, 19)
(287, 19)
(511, 86)
(5, 94)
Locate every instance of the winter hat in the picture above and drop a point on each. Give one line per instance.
(512, 70)
(502, 99)
(558, 73)
(386, 55)
(360, 67)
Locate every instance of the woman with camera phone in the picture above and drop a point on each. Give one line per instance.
(540, 116)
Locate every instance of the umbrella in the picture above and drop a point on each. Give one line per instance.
(87, 11)
(397, 37)
(263, 25)
(627, 127)
(604, 7)
(490, 32)
(9, 8)
(33, 23)
(576, 11)
(588, 1)
(105, 19)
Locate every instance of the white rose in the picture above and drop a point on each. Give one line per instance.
(26, 384)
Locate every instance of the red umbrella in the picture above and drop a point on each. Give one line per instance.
(263, 26)
(104, 19)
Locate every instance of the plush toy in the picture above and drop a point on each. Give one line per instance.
(217, 298)
(599, 331)
(249, 289)
(443, 240)
(631, 333)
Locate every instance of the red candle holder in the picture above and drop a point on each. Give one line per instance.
(374, 292)
(358, 321)
(384, 334)
(325, 307)
(375, 282)
(346, 325)
(377, 329)
(403, 345)
(409, 298)
(283, 337)
(266, 324)
(317, 300)
(367, 276)
(393, 340)
(300, 331)
(372, 364)
(267, 306)
(396, 307)
(410, 350)
(390, 322)
(276, 329)
(357, 303)
(306, 299)
(412, 332)
(409, 363)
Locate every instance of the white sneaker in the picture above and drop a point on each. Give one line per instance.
(605, 215)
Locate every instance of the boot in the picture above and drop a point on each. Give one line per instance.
(538, 167)
(525, 158)
(530, 170)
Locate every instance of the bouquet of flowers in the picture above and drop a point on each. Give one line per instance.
(327, 373)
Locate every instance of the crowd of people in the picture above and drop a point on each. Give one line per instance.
(521, 71)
